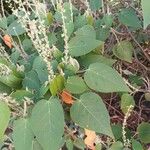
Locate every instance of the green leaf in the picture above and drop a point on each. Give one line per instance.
(128, 17)
(11, 81)
(40, 67)
(126, 101)
(93, 58)
(36, 145)
(80, 21)
(117, 131)
(19, 95)
(144, 132)
(136, 145)
(116, 146)
(146, 7)
(84, 41)
(27, 45)
(108, 20)
(15, 29)
(22, 135)
(57, 84)
(102, 33)
(69, 144)
(31, 80)
(75, 85)
(4, 118)
(3, 23)
(124, 51)
(47, 122)
(95, 4)
(90, 112)
(4, 88)
(79, 143)
(103, 78)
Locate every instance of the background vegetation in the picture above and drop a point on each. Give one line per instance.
(75, 75)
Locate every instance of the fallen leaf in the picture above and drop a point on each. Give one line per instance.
(90, 138)
(7, 40)
(66, 97)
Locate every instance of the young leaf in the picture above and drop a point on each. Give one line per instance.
(126, 101)
(47, 122)
(123, 51)
(90, 138)
(75, 85)
(22, 135)
(146, 7)
(57, 84)
(84, 41)
(103, 78)
(4, 118)
(66, 97)
(144, 132)
(90, 112)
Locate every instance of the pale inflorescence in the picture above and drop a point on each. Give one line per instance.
(35, 29)
(88, 11)
(4, 70)
(127, 115)
(67, 58)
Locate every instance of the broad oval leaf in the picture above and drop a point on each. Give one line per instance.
(4, 118)
(75, 85)
(15, 29)
(128, 17)
(84, 41)
(22, 135)
(146, 7)
(94, 58)
(144, 132)
(47, 121)
(90, 112)
(103, 78)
